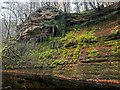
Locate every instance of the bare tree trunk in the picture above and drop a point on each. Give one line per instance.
(85, 5)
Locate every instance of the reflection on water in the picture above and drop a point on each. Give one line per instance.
(77, 71)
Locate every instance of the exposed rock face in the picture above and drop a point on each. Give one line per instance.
(34, 27)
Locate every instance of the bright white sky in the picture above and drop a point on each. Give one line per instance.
(1, 1)
(54, 0)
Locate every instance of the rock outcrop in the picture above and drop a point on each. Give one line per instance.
(35, 27)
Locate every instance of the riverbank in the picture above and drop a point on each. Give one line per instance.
(71, 76)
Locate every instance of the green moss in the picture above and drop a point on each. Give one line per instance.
(60, 62)
(67, 54)
(112, 43)
(76, 54)
(95, 29)
(56, 62)
(115, 46)
(75, 28)
(86, 38)
(46, 54)
(70, 39)
(93, 54)
(63, 62)
(116, 50)
(115, 34)
(71, 42)
(64, 53)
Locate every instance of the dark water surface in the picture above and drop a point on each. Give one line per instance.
(78, 72)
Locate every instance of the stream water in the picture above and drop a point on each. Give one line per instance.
(98, 71)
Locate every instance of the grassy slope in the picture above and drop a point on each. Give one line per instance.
(94, 43)
(98, 42)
